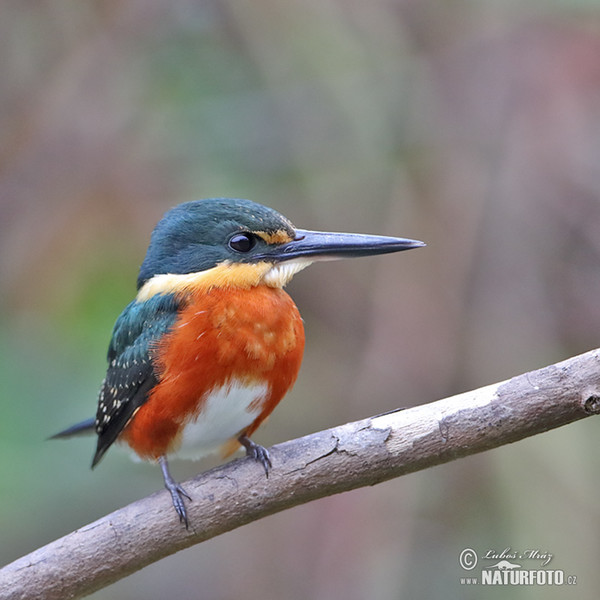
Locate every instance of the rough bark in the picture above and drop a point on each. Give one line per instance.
(328, 462)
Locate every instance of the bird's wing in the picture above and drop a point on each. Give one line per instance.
(131, 373)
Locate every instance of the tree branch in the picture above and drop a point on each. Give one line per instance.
(328, 462)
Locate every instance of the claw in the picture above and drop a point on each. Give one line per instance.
(176, 495)
(257, 452)
(176, 491)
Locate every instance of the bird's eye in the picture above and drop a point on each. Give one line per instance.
(242, 242)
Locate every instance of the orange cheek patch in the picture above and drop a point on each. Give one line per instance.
(275, 237)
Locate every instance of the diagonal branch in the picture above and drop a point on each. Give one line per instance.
(328, 462)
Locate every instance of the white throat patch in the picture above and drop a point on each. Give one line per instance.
(279, 275)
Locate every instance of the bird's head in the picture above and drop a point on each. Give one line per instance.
(222, 242)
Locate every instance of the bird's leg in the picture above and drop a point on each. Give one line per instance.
(257, 452)
(175, 490)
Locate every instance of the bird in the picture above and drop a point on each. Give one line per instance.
(211, 343)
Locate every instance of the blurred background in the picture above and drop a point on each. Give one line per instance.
(473, 125)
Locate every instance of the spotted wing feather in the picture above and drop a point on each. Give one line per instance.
(131, 374)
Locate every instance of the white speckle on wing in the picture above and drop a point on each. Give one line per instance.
(226, 412)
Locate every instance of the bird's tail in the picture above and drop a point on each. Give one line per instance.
(83, 428)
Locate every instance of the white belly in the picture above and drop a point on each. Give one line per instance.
(225, 413)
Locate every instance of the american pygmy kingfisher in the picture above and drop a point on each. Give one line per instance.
(211, 343)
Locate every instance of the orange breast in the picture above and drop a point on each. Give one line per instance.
(251, 336)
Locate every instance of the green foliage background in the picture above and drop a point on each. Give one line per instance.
(472, 125)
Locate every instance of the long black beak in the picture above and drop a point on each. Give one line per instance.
(321, 245)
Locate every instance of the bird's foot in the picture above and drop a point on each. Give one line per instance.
(257, 452)
(177, 495)
(176, 491)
